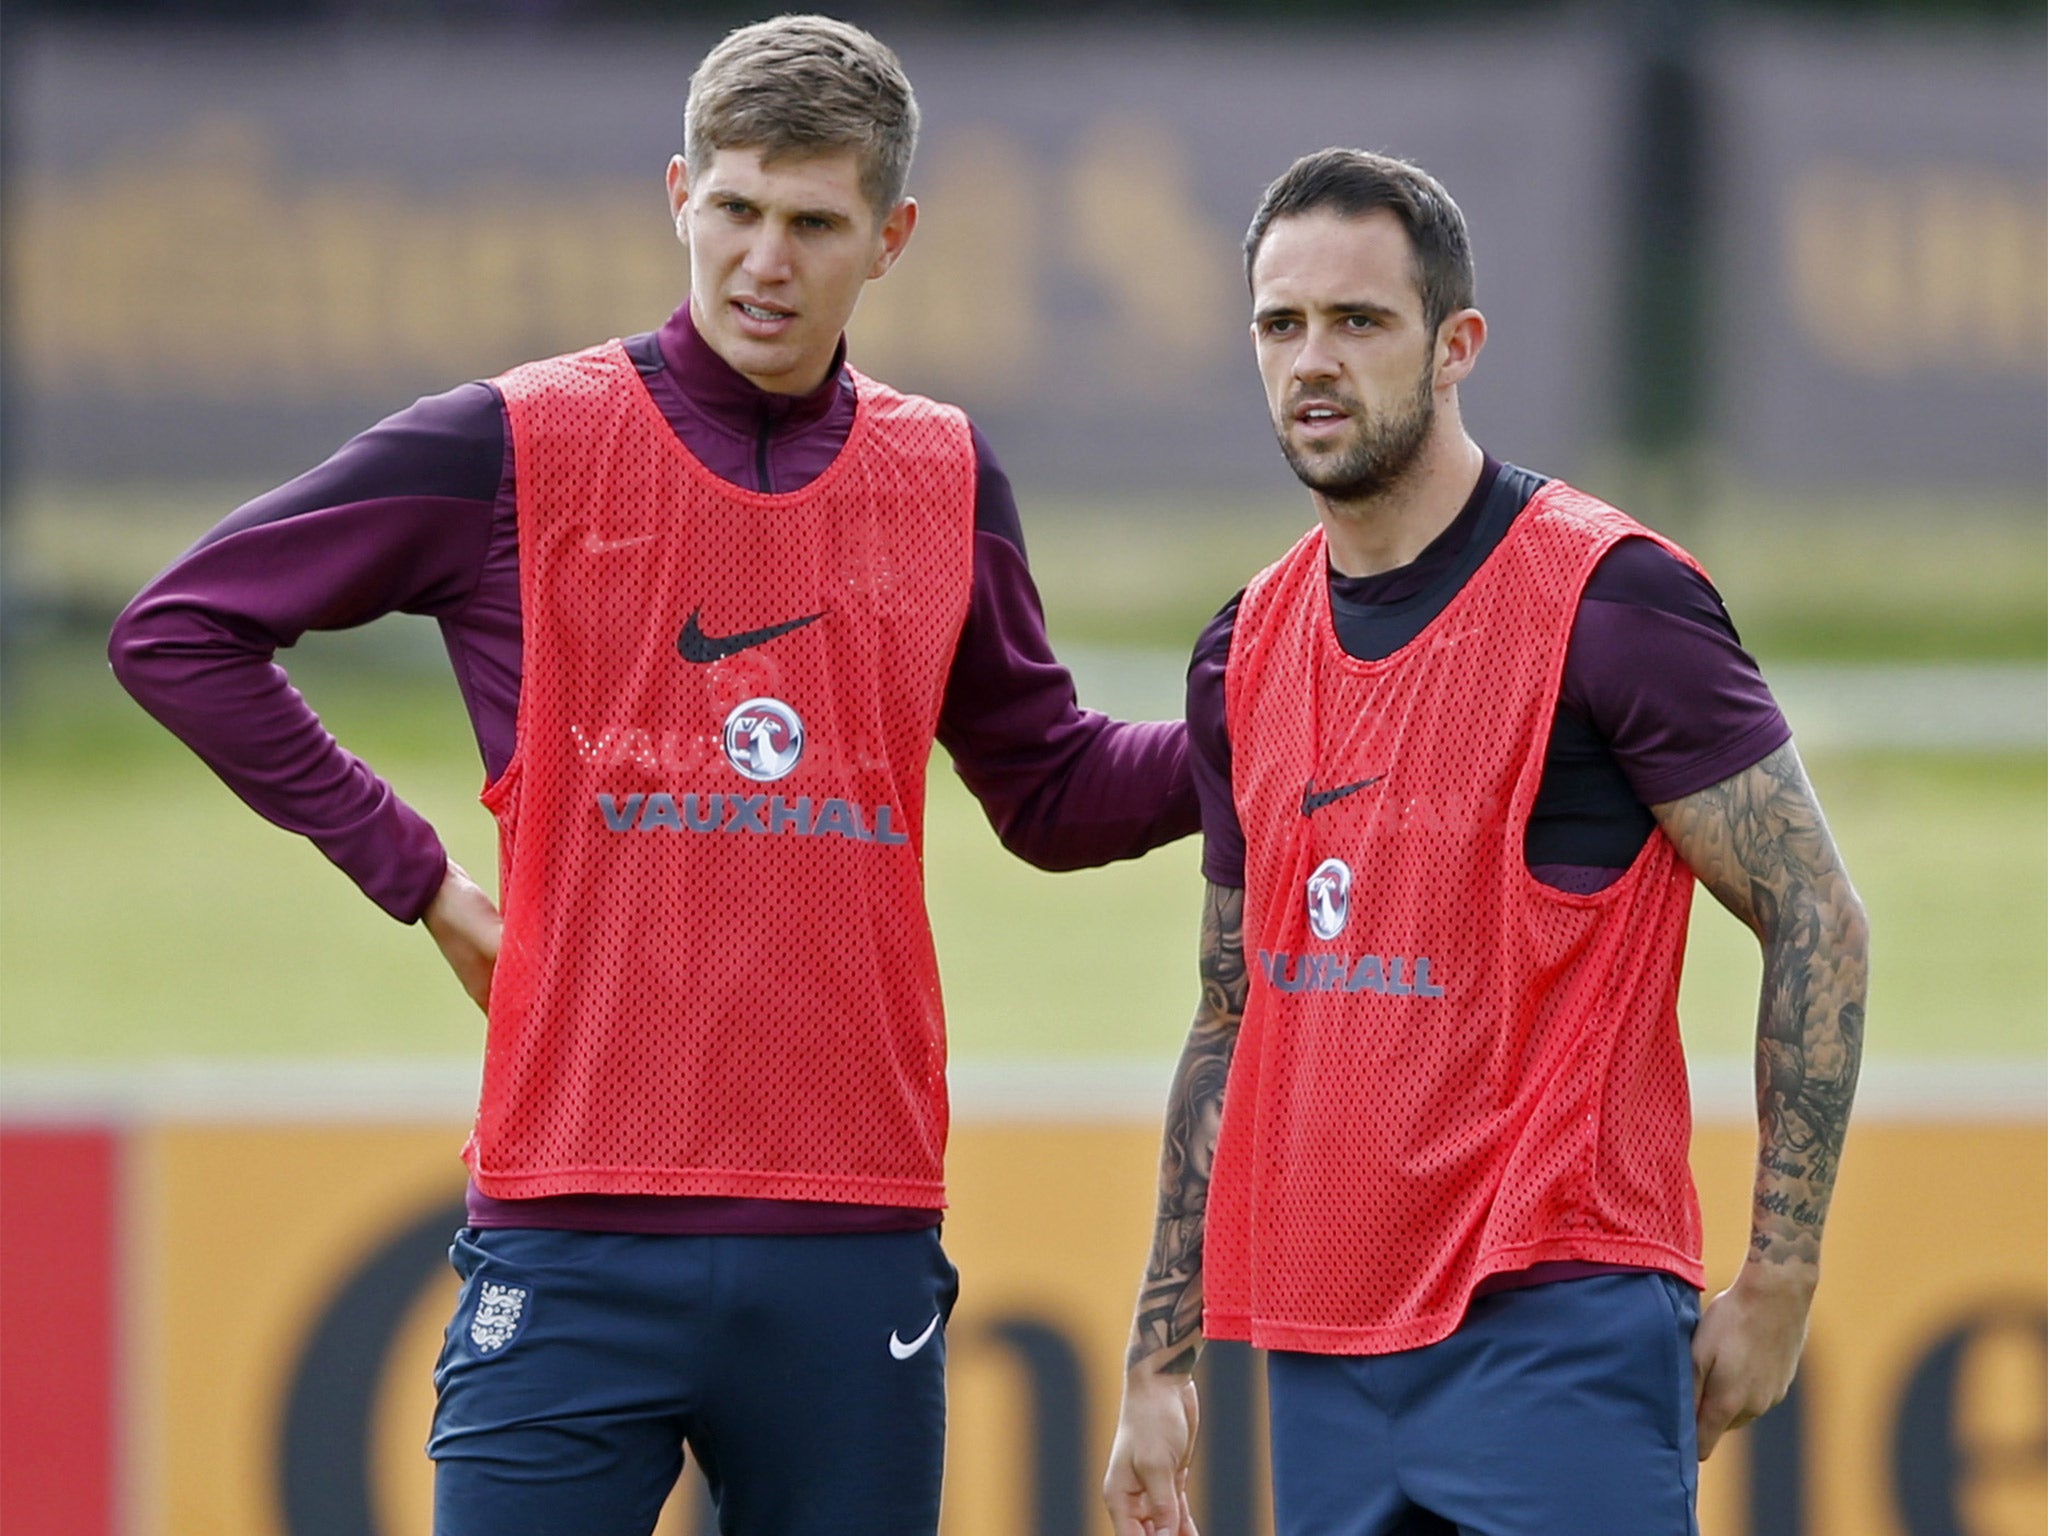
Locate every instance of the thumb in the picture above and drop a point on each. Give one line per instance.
(1708, 1419)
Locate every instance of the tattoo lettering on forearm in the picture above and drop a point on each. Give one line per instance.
(1759, 843)
(1774, 1161)
(1169, 1318)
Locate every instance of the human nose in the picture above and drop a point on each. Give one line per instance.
(1314, 360)
(768, 255)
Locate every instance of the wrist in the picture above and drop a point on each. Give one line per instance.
(1164, 1369)
(1793, 1278)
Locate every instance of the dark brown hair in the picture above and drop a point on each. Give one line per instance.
(1354, 182)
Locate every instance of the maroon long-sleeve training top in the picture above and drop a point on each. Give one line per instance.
(418, 515)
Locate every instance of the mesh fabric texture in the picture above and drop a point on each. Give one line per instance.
(1471, 1072)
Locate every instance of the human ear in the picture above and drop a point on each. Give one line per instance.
(677, 179)
(895, 235)
(1459, 340)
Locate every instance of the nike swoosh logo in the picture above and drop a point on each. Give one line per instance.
(903, 1351)
(598, 546)
(698, 646)
(1313, 799)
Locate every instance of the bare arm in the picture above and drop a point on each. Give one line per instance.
(1759, 843)
(1146, 1486)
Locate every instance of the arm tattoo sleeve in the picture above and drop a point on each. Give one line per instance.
(1168, 1328)
(1759, 843)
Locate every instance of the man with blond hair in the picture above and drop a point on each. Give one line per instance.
(711, 595)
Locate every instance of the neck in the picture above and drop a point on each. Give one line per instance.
(1382, 532)
(720, 389)
(788, 386)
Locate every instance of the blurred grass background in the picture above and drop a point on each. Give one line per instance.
(147, 916)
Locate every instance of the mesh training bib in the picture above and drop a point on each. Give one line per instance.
(717, 975)
(1446, 1069)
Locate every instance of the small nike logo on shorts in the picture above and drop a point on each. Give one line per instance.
(903, 1351)
(698, 646)
(598, 546)
(1313, 799)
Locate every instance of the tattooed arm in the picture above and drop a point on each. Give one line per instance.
(1758, 842)
(1146, 1486)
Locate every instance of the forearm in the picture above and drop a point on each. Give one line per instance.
(1166, 1334)
(1809, 1049)
(1064, 787)
(236, 709)
(1759, 842)
(1095, 790)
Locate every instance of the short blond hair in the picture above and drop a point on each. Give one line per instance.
(803, 85)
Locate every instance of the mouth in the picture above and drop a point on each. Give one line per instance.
(760, 319)
(1315, 418)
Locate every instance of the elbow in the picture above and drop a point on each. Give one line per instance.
(1840, 914)
(132, 651)
(1057, 861)
(1041, 846)
(1855, 929)
(1059, 850)
(148, 653)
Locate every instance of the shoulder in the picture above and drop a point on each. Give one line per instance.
(1208, 667)
(592, 371)
(456, 438)
(1209, 748)
(441, 448)
(925, 435)
(1212, 645)
(995, 502)
(1641, 572)
(1284, 584)
(1636, 566)
(1643, 603)
(885, 402)
(1656, 668)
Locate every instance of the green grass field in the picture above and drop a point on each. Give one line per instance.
(147, 915)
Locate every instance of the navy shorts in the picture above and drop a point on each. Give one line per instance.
(806, 1375)
(1557, 1410)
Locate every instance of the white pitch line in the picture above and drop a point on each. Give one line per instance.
(984, 1091)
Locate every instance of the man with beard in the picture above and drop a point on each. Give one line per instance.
(1462, 753)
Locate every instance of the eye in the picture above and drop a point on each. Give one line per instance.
(1360, 322)
(1279, 325)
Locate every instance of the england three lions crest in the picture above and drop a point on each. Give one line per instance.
(500, 1309)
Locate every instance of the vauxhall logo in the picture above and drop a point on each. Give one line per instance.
(1329, 898)
(1389, 975)
(764, 738)
(764, 815)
